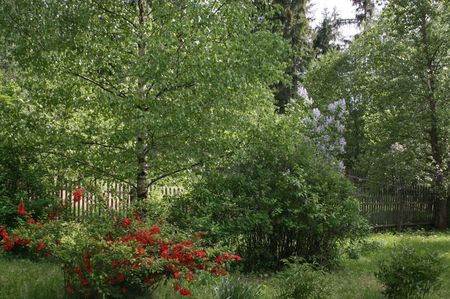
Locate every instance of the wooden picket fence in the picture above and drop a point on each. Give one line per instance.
(397, 206)
(96, 196)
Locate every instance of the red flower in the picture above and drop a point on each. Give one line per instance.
(176, 274)
(115, 264)
(21, 209)
(155, 229)
(84, 282)
(69, 289)
(8, 245)
(24, 242)
(31, 220)
(126, 222)
(87, 263)
(219, 271)
(185, 292)
(141, 250)
(77, 194)
(40, 247)
(144, 237)
(188, 243)
(120, 277)
(200, 253)
(227, 256)
(78, 271)
(188, 276)
(4, 234)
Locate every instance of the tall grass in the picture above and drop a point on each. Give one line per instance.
(25, 279)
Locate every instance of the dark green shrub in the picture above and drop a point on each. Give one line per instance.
(408, 273)
(278, 199)
(21, 179)
(38, 208)
(301, 281)
(235, 288)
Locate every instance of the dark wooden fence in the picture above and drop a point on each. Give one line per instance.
(397, 206)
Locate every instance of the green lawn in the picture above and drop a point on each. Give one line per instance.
(354, 279)
(24, 279)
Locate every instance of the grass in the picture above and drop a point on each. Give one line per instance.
(25, 279)
(354, 279)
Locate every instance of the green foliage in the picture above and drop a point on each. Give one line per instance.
(385, 77)
(38, 208)
(301, 281)
(22, 172)
(409, 273)
(236, 288)
(177, 86)
(277, 199)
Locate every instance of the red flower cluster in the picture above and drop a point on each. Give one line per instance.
(185, 292)
(21, 209)
(126, 222)
(77, 194)
(40, 247)
(9, 242)
(22, 212)
(179, 259)
(227, 256)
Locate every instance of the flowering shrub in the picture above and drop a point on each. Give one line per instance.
(114, 258)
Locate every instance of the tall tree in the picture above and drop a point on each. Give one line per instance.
(141, 90)
(365, 10)
(396, 77)
(403, 62)
(327, 33)
(289, 19)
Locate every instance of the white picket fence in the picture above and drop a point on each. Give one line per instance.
(115, 196)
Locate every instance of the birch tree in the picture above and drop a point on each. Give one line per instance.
(137, 91)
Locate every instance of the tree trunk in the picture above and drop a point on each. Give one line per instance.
(437, 152)
(142, 135)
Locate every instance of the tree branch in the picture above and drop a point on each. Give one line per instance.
(96, 83)
(95, 168)
(116, 14)
(158, 178)
(104, 145)
(174, 88)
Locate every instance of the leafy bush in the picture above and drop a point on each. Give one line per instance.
(37, 208)
(235, 288)
(301, 281)
(278, 199)
(408, 273)
(118, 258)
(20, 179)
